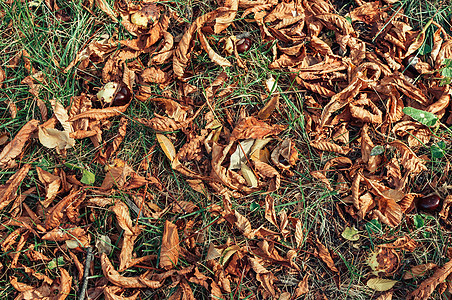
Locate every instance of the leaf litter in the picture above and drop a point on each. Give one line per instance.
(372, 104)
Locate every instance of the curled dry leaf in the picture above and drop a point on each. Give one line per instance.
(2, 77)
(302, 287)
(427, 287)
(252, 128)
(215, 57)
(61, 235)
(100, 114)
(169, 251)
(111, 293)
(244, 225)
(64, 288)
(54, 138)
(182, 54)
(222, 22)
(299, 233)
(52, 184)
(56, 213)
(270, 214)
(285, 155)
(324, 254)
(113, 276)
(383, 261)
(14, 148)
(269, 107)
(9, 190)
(418, 271)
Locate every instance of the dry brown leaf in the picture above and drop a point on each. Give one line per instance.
(169, 251)
(52, 184)
(182, 54)
(103, 156)
(403, 243)
(337, 23)
(111, 293)
(299, 233)
(15, 147)
(61, 235)
(9, 190)
(215, 57)
(244, 225)
(269, 107)
(302, 287)
(2, 77)
(55, 214)
(222, 22)
(268, 171)
(130, 234)
(383, 261)
(270, 213)
(319, 175)
(324, 254)
(409, 160)
(64, 288)
(4, 137)
(252, 128)
(329, 146)
(117, 175)
(100, 114)
(105, 7)
(19, 286)
(113, 276)
(366, 13)
(385, 296)
(427, 287)
(418, 271)
(154, 75)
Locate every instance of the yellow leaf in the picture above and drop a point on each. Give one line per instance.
(380, 284)
(167, 146)
(249, 176)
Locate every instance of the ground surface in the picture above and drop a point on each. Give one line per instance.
(273, 172)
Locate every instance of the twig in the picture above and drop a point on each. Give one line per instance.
(89, 257)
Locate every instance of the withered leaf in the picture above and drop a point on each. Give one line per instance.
(215, 57)
(167, 146)
(252, 128)
(324, 254)
(111, 293)
(419, 270)
(113, 276)
(169, 251)
(14, 148)
(8, 191)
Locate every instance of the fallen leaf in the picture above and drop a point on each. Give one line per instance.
(252, 128)
(324, 254)
(380, 284)
(14, 148)
(167, 146)
(426, 288)
(350, 234)
(169, 251)
(418, 271)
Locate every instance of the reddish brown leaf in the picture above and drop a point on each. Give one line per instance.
(169, 251)
(15, 147)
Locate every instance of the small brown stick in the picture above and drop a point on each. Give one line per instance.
(89, 257)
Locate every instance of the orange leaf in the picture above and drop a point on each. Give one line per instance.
(169, 251)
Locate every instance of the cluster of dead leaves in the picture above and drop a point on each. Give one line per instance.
(357, 84)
